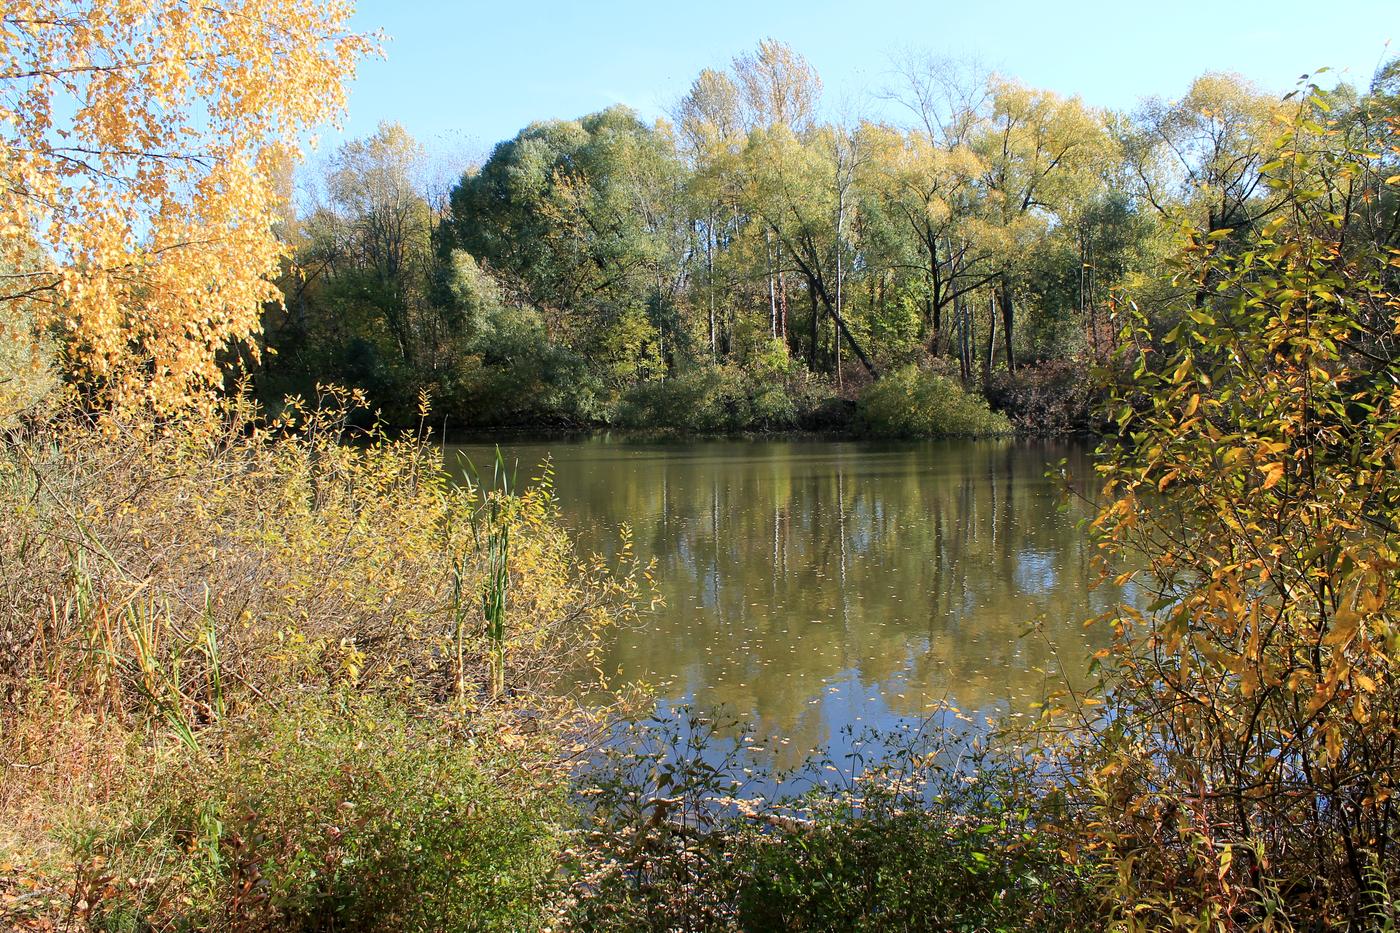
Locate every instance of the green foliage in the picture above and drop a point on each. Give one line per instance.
(510, 371)
(913, 870)
(341, 813)
(705, 400)
(914, 402)
(514, 374)
(710, 399)
(588, 258)
(581, 218)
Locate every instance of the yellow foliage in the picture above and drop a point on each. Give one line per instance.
(299, 557)
(140, 141)
(1252, 701)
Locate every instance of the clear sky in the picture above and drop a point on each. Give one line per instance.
(467, 74)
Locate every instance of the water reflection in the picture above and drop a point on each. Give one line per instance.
(813, 585)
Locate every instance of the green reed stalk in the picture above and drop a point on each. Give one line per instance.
(492, 531)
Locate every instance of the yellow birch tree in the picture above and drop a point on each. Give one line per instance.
(140, 142)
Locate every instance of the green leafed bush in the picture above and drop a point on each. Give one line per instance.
(911, 870)
(342, 814)
(710, 399)
(914, 402)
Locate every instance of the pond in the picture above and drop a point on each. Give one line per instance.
(813, 587)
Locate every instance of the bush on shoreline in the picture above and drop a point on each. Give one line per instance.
(1055, 397)
(914, 402)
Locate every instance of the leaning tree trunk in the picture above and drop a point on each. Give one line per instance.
(851, 341)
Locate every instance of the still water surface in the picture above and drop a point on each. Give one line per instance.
(811, 586)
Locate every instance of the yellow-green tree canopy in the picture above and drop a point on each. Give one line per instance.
(139, 141)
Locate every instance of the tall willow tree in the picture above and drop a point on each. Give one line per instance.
(794, 188)
(1037, 149)
(1202, 157)
(140, 144)
(927, 177)
(929, 187)
(709, 129)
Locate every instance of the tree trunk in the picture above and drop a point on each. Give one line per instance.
(963, 323)
(1007, 320)
(782, 301)
(840, 282)
(710, 282)
(836, 350)
(990, 359)
(933, 311)
(772, 292)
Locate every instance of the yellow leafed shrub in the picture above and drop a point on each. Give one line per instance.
(178, 595)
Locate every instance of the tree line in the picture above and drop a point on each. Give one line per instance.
(749, 237)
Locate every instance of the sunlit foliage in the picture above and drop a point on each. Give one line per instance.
(139, 145)
(1246, 762)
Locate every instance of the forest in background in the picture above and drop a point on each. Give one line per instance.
(746, 263)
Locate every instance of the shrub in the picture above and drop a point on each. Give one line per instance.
(342, 813)
(178, 600)
(1245, 756)
(773, 407)
(915, 870)
(913, 402)
(512, 373)
(256, 537)
(712, 399)
(706, 399)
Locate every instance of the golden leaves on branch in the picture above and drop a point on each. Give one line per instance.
(139, 145)
(1256, 498)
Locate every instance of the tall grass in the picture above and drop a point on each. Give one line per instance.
(491, 530)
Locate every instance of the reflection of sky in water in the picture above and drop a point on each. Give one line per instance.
(1035, 571)
(813, 587)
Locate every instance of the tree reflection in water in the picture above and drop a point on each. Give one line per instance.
(815, 585)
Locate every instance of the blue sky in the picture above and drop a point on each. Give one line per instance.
(467, 74)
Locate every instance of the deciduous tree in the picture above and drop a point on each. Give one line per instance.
(138, 144)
